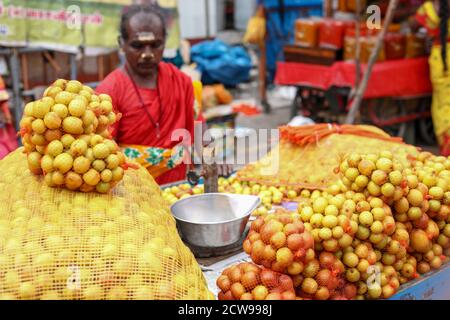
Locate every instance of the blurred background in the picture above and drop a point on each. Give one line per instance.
(263, 63)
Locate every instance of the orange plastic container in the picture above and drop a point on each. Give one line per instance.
(350, 5)
(367, 39)
(367, 45)
(342, 5)
(350, 43)
(307, 32)
(332, 32)
(415, 45)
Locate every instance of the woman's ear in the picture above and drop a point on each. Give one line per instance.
(121, 43)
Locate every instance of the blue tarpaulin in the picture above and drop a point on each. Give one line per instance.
(281, 16)
(222, 63)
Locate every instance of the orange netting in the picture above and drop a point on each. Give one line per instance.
(308, 156)
(311, 134)
(61, 244)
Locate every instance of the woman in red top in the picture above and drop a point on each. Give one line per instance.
(153, 97)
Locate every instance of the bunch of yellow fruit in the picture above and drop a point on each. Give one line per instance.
(401, 210)
(384, 216)
(57, 244)
(182, 191)
(269, 195)
(65, 135)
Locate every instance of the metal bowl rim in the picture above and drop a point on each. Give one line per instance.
(217, 222)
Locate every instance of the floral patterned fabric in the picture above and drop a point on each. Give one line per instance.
(156, 160)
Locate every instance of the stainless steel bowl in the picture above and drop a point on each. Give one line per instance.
(214, 219)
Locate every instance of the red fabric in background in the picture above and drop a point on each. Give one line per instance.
(396, 78)
(293, 73)
(331, 34)
(177, 98)
(8, 140)
(8, 136)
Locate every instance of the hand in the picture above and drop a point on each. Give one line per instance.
(224, 169)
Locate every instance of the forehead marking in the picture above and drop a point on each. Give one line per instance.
(145, 36)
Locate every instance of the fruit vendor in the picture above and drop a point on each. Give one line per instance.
(153, 97)
(434, 15)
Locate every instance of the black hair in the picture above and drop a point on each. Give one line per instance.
(443, 30)
(132, 10)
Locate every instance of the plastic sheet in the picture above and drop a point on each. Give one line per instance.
(222, 63)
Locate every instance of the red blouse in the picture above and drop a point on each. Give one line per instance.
(174, 112)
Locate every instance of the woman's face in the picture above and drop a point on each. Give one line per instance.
(145, 44)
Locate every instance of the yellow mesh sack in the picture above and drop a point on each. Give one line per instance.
(308, 156)
(60, 244)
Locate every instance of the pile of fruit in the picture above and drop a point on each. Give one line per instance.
(60, 244)
(56, 243)
(319, 149)
(182, 191)
(280, 244)
(247, 281)
(66, 138)
(270, 195)
(384, 223)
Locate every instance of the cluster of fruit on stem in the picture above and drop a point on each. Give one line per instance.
(66, 138)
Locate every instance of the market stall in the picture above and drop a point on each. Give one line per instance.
(327, 60)
(405, 78)
(329, 212)
(330, 179)
(345, 212)
(319, 34)
(403, 82)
